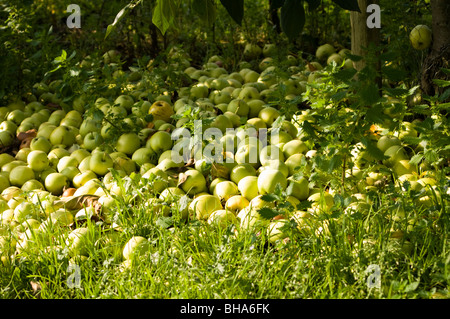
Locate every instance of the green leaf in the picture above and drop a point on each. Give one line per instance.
(206, 9)
(441, 83)
(235, 9)
(345, 74)
(444, 96)
(267, 213)
(393, 74)
(269, 198)
(370, 94)
(416, 159)
(164, 14)
(292, 18)
(351, 5)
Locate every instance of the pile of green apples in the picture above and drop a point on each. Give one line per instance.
(70, 156)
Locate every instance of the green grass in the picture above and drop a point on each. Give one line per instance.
(198, 260)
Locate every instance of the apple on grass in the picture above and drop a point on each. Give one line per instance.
(240, 171)
(55, 183)
(293, 147)
(144, 155)
(20, 174)
(270, 153)
(277, 165)
(128, 143)
(192, 182)
(248, 187)
(100, 163)
(269, 114)
(160, 141)
(299, 188)
(92, 140)
(41, 143)
(203, 206)
(222, 218)
(62, 135)
(38, 160)
(239, 107)
(124, 163)
(269, 179)
(224, 190)
(236, 202)
(66, 161)
(135, 247)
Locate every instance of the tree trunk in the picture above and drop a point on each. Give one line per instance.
(362, 36)
(439, 56)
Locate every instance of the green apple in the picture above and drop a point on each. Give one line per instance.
(421, 37)
(124, 163)
(159, 179)
(62, 135)
(203, 206)
(8, 126)
(324, 51)
(335, 57)
(248, 153)
(160, 141)
(45, 130)
(269, 179)
(251, 77)
(239, 107)
(144, 155)
(198, 91)
(236, 202)
(6, 138)
(321, 201)
(89, 125)
(224, 190)
(386, 141)
(66, 161)
(192, 182)
(294, 162)
(242, 170)
(403, 167)
(233, 117)
(55, 183)
(4, 183)
(135, 247)
(269, 50)
(38, 160)
(395, 153)
(92, 140)
(128, 143)
(274, 230)
(171, 194)
(269, 114)
(20, 174)
(22, 154)
(125, 101)
(294, 147)
(83, 177)
(214, 182)
(270, 152)
(80, 154)
(252, 51)
(100, 163)
(222, 218)
(222, 122)
(248, 94)
(299, 188)
(276, 164)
